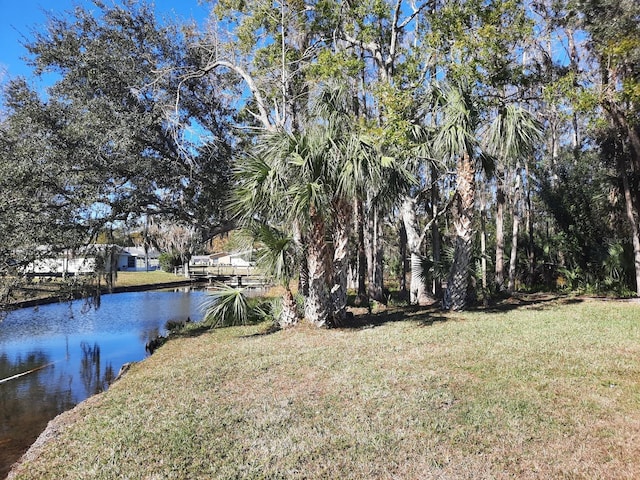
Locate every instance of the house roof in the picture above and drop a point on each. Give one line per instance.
(139, 252)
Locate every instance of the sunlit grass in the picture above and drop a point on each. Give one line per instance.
(547, 390)
(128, 279)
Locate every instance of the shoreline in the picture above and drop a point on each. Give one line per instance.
(35, 302)
(57, 424)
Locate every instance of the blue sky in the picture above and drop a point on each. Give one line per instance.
(19, 17)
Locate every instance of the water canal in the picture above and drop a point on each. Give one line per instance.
(72, 353)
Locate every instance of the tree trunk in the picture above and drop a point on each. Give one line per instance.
(317, 307)
(340, 263)
(436, 287)
(500, 201)
(483, 248)
(362, 298)
(530, 232)
(375, 257)
(378, 279)
(514, 235)
(369, 236)
(455, 297)
(417, 285)
(619, 120)
(631, 217)
(289, 313)
(185, 268)
(404, 267)
(303, 276)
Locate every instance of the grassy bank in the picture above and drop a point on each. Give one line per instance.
(54, 289)
(545, 390)
(134, 279)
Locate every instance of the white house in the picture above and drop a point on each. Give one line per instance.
(201, 261)
(236, 259)
(141, 261)
(85, 260)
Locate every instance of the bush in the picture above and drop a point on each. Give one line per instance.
(169, 261)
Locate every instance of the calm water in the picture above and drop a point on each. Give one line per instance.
(75, 351)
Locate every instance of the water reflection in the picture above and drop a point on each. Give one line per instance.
(90, 370)
(34, 393)
(55, 356)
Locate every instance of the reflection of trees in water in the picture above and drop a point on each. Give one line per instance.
(40, 393)
(91, 370)
(27, 403)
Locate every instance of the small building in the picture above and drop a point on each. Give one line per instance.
(222, 259)
(139, 260)
(236, 259)
(88, 259)
(201, 261)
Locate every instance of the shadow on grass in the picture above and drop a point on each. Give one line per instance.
(427, 316)
(529, 302)
(424, 316)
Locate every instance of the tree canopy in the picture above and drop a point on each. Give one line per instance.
(377, 141)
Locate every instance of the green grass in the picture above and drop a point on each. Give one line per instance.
(545, 390)
(129, 279)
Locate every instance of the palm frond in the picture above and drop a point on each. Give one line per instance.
(276, 252)
(226, 306)
(513, 133)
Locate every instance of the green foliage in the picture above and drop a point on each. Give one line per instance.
(169, 261)
(104, 135)
(592, 242)
(227, 306)
(333, 65)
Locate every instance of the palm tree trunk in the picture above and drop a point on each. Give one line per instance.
(289, 313)
(303, 275)
(340, 263)
(455, 297)
(317, 306)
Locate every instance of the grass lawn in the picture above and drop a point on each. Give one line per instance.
(129, 279)
(547, 389)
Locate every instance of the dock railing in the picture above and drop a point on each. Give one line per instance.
(213, 271)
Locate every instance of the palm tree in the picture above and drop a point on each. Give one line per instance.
(284, 183)
(456, 139)
(511, 138)
(308, 182)
(226, 306)
(276, 255)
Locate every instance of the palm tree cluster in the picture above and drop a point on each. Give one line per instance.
(466, 148)
(297, 194)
